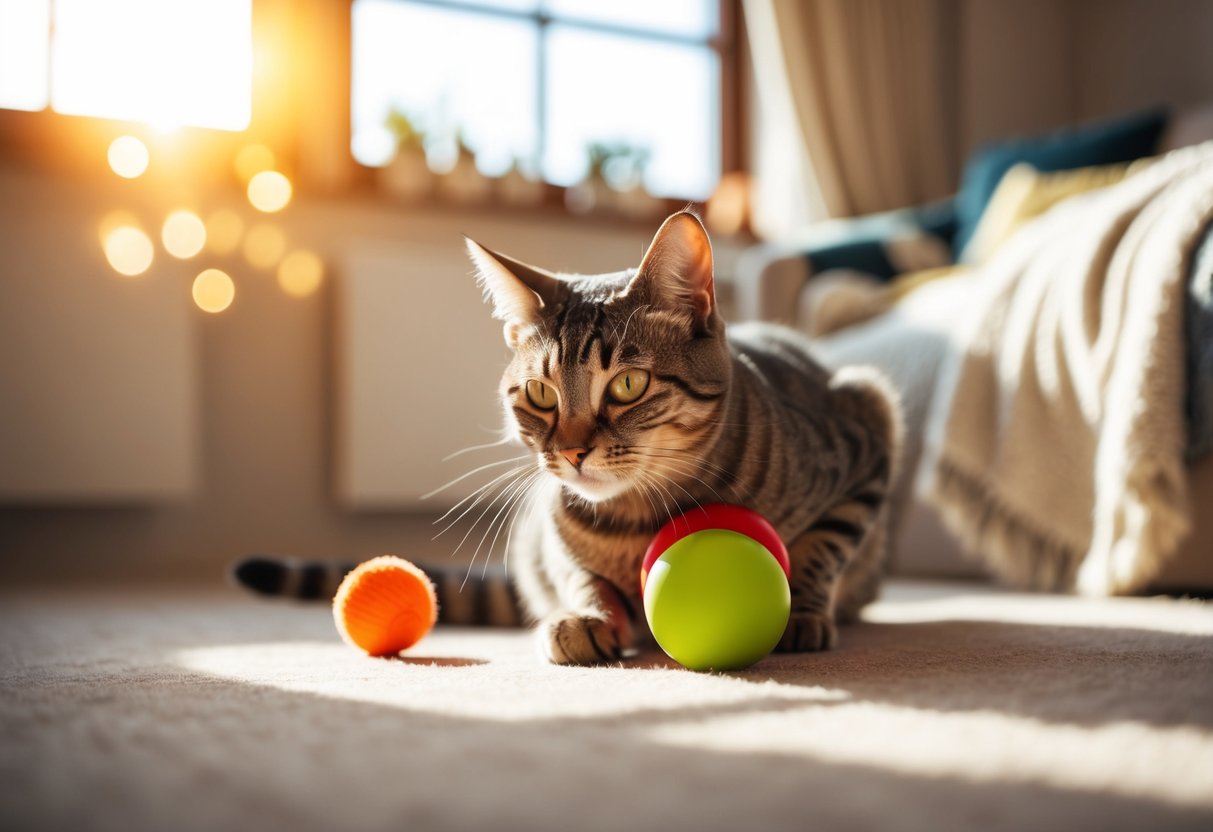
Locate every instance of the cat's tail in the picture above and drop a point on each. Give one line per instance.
(471, 599)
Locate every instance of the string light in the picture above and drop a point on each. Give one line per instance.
(223, 231)
(264, 246)
(128, 157)
(213, 291)
(183, 234)
(269, 191)
(129, 251)
(300, 273)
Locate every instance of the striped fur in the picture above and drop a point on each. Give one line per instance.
(746, 418)
(486, 599)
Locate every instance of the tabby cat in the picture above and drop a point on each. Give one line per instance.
(636, 402)
(638, 405)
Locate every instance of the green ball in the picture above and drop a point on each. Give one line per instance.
(717, 600)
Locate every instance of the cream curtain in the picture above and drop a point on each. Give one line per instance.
(866, 87)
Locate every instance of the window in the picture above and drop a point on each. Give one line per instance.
(169, 63)
(541, 84)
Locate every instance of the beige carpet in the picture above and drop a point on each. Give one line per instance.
(952, 707)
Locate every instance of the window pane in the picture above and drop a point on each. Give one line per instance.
(657, 96)
(450, 71)
(24, 48)
(186, 62)
(508, 5)
(690, 18)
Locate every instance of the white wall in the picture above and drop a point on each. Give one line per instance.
(1031, 65)
(98, 373)
(1138, 53)
(265, 384)
(1015, 68)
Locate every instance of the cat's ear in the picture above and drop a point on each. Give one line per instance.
(676, 271)
(519, 292)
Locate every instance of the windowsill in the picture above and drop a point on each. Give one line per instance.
(195, 164)
(546, 234)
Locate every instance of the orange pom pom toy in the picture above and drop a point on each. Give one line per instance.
(384, 606)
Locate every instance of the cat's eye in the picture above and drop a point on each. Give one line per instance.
(628, 386)
(541, 395)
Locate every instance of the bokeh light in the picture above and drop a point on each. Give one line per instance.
(728, 207)
(224, 229)
(183, 234)
(252, 160)
(269, 191)
(128, 157)
(129, 250)
(264, 246)
(213, 291)
(113, 220)
(300, 273)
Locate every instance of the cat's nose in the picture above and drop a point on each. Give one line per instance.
(575, 456)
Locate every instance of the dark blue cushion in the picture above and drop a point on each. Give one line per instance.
(862, 244)
(1096, 143)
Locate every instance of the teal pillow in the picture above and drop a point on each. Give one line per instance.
(1096, 143)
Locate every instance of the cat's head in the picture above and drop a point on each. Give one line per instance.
(618, 382)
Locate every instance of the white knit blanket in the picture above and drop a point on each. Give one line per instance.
(1056, 437)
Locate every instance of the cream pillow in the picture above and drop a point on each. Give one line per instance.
(1025, 193)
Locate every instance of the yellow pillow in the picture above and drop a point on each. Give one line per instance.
(1025, 193)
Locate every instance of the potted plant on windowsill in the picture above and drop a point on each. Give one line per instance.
(520, 186)
(614, 182)
(408, 176)
(463, 184)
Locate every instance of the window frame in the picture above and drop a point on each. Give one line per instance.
(724, 43)
(301, 105)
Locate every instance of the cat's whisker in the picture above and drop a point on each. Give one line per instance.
(644, 492)
(477, 491)
(689, 466)
(507, 496)
(628, 322)
(487, 508)
(505, 440)
(692, 452)
(509, 520)
(473, 472)
(646, 477)
(483, 492)
(535, 492)
(543, 337)
(681, 488)
(518, 492)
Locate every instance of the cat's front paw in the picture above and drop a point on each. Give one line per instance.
(568, 638)
(807, 632)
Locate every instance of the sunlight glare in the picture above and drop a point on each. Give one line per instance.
(213, 291)
(269, 191)
(129, 250)
(24, 51)
(188, 62)
(183, 234)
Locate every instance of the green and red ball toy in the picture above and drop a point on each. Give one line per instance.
(715, 587)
